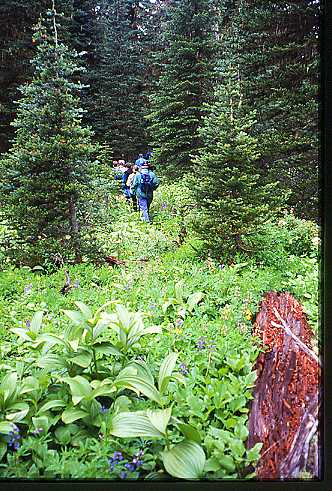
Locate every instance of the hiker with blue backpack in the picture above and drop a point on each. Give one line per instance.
(140, 161)
(145, 182)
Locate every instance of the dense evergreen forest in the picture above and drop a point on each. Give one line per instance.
(158, 177)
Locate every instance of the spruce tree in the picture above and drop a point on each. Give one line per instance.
(46, 173)
(119, 78)
(233, 198)
(279, 63)
(185, 84)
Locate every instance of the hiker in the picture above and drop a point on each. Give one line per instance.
(125, 188)
(145, 182)
(129, 183)
(140, 161)
(148, 154)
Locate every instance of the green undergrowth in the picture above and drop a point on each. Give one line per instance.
(200, 311)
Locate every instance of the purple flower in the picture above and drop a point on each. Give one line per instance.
(27, 323)
(183, 369)
(201, 343)
(130, 467)
(179, 322)
(117, 456)
(212, 347)
(103, 409)
(164, 205)
(123, 475)
(15, 437)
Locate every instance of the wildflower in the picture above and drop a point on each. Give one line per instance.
(178, 331)
(123, 475)
(183, 369)
(152, 306)
(117, 456)
(179, 322)
(27, 289)
(103, 409)
(221, 266)
(201, 343)
(164, 205)
(37, 431)
(212, 347)
(15, 437)
(130, 467)
(248, 315)
(27, 323)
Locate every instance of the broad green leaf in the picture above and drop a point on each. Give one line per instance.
(75, 316)
(189, 432)
(52, 339)
(227, 462)
(159, 418)
(152, 330)
(3, 449)
(36, 322)
(124, 317)
(100, 327)
(52, 362)
(179, 291)
(42, 422)
(121, 404)
(9, 386)
(29, 384)
(254, 452)
(106, 348)
(83, 359)
(212, 465)
(22, 333)
(86, 311)
(50, 405)
(193, 300)
(103, 390)
(6, 427)
(131, 425)
(18, 411)
(73, 414)
(80, 388)
(166, 369)
(139, 385)
(241, 431)
(143, 371)
(185, 460)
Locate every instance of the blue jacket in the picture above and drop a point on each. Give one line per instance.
(140, 161)
(136, 187)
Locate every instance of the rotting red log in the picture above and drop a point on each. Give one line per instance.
(114, 261)
(285, 408)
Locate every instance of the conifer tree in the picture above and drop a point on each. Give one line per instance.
(119, 78)
(46, 173)
(233, 198)
(185, 84)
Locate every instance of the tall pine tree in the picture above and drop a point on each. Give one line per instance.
(47, 172)
(233, 198)
(185, 84)
(119, 81)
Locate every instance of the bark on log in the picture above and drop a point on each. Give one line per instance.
(285, 410)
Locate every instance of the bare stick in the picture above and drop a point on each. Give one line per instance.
(295, 338)
(54, 24)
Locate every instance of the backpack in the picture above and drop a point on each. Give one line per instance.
(146, 184)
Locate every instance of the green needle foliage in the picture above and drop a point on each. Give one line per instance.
(233, 197)
(46, 173)
(185, 83)
(119, 79)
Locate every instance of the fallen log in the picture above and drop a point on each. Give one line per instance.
(284, 413)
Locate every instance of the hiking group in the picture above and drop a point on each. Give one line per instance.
(138, 182)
